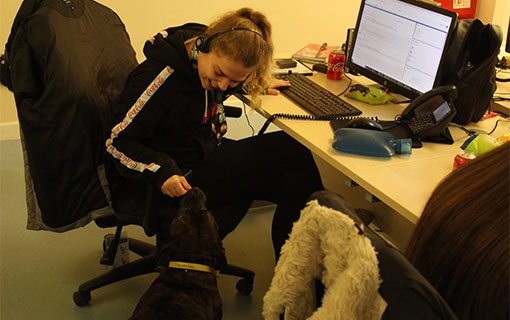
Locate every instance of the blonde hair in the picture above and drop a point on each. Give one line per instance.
(245, 46)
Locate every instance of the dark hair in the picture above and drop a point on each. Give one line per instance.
(461, 242)
(245, 46)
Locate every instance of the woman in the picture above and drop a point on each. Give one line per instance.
(461, 242)
(169, 127)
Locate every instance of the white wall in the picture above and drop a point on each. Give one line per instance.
(295, 23)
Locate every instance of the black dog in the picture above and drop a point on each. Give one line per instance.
(181, 291)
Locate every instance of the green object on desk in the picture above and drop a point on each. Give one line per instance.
(369, 94)
(480, 144)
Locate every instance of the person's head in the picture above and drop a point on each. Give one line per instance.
(461, 242)
(238, 55)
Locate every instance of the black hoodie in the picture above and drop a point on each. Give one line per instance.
(157, 129)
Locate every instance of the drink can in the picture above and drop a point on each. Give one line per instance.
(336, 62)
(463, 157)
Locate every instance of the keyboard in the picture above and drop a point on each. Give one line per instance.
(314, 98)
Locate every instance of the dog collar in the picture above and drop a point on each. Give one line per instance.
(191, 266)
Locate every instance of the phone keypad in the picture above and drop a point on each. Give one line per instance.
(421, 122)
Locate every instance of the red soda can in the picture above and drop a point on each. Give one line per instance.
(462, 157)
(336, 62)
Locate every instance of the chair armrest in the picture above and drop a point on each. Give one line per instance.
(233, 112)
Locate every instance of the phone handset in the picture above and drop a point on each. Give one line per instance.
(430, 113)
(450, 90)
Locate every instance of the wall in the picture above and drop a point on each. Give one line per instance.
(295, 23)
(495, 12)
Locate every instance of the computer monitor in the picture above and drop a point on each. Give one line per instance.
(507, 47)
(401, 44)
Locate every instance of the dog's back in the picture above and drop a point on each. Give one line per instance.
(184, 293)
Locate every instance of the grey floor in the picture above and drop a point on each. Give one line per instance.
(40, 270)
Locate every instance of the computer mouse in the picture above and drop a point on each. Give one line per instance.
(365, 123)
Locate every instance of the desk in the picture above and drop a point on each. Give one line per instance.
(402, 183)
(502, 91)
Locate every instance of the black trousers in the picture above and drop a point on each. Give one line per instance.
(272, 167)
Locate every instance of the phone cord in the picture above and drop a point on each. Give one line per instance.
(328, 117)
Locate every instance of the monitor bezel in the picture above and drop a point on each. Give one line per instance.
(392, 84)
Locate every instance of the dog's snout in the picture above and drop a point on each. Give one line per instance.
(196, 194)
(194, 198)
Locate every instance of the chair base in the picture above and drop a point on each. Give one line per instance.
(148, 263)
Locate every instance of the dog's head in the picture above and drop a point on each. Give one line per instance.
(194, 233)
(194, 200)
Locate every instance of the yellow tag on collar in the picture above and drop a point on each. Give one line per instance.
(190, 266)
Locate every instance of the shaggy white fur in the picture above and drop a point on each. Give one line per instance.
(325, 244)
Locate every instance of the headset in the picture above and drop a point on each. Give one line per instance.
(204, 43)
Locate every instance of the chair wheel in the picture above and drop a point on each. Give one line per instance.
(245, 286)
(81, 298)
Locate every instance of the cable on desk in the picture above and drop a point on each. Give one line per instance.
(495, 126)
(348, 86)
(469, 132)
(327, 117)
(472, 132)
(304, 65)
(248, 119)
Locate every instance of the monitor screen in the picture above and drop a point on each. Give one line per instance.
(401, 44)
(507, 48)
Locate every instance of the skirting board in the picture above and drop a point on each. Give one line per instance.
(9, 131)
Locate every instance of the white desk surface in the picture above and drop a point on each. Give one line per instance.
(404, 183)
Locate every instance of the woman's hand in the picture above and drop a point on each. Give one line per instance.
(277, 83)
(175, 186)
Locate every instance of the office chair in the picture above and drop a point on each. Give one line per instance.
(407, 293)
(68, 62)
(356, 265)
(151, 259)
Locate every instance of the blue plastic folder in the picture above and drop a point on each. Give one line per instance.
(370, 142)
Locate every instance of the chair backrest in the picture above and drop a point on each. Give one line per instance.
(69, 61)
(325, 244)
(408, 294)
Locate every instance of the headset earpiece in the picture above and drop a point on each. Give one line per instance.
(204, 43)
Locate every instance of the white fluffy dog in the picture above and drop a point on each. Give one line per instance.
(325, 244)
